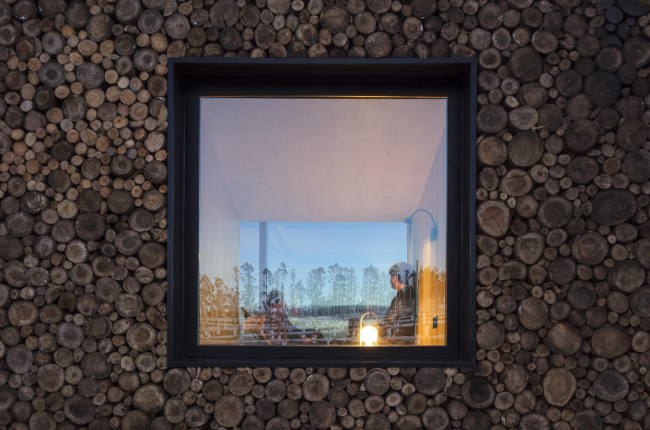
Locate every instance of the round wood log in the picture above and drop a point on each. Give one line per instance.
(176, 381)
(229, 411)
(378, 44)
(494, 218)
(613, 207)
(127, 11)
(640, 302)
(491, 119)
(564, 338)
(611, 386)
(632, 134)
(581, 295)
(429, 381)
(96, 366)
(555, 212)
(322, 415)
(492, 151)
(19, 359)
(79, 409)
(52, 74)
(435, 418)
(602, 88)
(529, 247)
(581, 135)
(141, 337)
(478, 393)
(149, 399)
(525, 64)
(628, 275)
(377, 381)
(240, 383)
(525, 149)
(90, 75)
(636, 165)
(477, 420)
(316, 387)
(559, 386)
(533, 313)
(97, 326)
(212, 390)
(490, 335)
(610, 341)
(11, 248)
(99, 27)
(582, 170)
(589, 248)
(516, 183)
(515, 378)
(378, 421)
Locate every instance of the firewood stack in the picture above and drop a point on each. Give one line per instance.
(563, 194)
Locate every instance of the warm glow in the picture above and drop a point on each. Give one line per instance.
(369, 336)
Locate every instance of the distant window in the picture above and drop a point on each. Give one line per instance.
(321, 213)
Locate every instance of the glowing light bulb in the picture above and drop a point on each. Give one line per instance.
(369, 335)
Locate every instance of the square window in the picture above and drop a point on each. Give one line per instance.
(322, 214)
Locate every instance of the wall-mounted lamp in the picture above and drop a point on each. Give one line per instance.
(369, 333)
(434, 230)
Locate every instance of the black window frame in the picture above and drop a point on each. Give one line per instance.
(191, 78)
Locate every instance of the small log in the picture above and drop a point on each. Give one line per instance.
(176, 381)
(99, 27)
(636, 165)
(589, 248)
(628, 275)
(377, 381)
(69, 335)
(229, 411)
(582, 170)
(610, 341)
(97, 326)
(533, 313)
(611, 386)
(264, 409)
(225, 13)
(316, 387)
(529, 247)
(516, 183)
(19, 359)
(555, 212)
(79, 409)
(90, 75)
(322, 415)
(141, 337)
(120, 202)
(632, 134)
(149, 22)
(581, 295)
(494, 218)
(177, 26)
(602, 88)
(90, 226)
(525, 149)
(52, 74)
(559, 386)
(613, 207)
(240, 383)
(492, 151)
(640, 302)
(525, 64)
(96, 366)
(564, 338)
(491, 119)
(127, 11)
(568, 82)
(212, 390)
(152, 255)
(150, 399)
(378, 44)
(478, 393)
(581, 135)
(490, 335)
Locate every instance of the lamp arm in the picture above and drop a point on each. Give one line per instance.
(424, 210)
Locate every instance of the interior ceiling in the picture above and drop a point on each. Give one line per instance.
(322, 160)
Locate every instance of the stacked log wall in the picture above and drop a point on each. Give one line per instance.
(563, 195)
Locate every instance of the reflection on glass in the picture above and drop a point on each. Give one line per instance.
(322, 221)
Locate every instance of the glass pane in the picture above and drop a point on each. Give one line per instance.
(323, 221)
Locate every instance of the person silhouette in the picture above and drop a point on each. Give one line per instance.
(398, 325)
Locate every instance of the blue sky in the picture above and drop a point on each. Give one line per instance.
(305, 246)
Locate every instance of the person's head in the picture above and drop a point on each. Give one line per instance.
(274, 299)
(400, 275)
